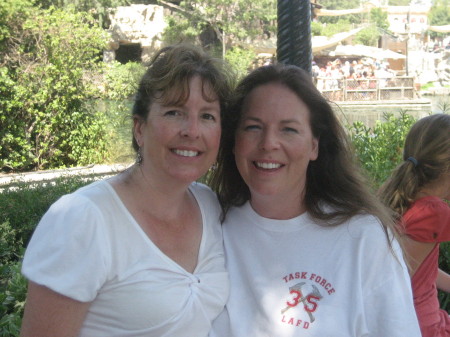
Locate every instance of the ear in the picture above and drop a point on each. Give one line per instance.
(138, 125)
(315, 149)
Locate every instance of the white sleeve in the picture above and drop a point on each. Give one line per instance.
(68, 250)
(389, 307)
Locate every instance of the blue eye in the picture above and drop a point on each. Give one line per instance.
(252, 127)
(286, 129)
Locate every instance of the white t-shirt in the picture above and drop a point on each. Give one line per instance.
(89, 247)
(294, 278)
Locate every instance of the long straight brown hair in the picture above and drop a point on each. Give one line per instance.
(336, 189)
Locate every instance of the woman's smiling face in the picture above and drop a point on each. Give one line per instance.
(180, 143)
(274, 143)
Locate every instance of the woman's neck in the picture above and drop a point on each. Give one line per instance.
(277, 208)
(162, 198)
(438, 188)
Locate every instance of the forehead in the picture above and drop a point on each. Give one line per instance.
(274, 101)
(179, 93)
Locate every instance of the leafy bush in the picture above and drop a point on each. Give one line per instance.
(380, 149)
(444, 264)
(13, 288)
(240, 60)
(46, 121)
(439, 15)
(10, 243)
(341, 4)
(368, 36)
(118, 130)
(316, 28)
(379, 17)
(21, 206)
(335, 28)
(119, 84)
(121, 80)
(11, 14)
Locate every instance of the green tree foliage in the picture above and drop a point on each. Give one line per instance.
(330, 29)
(240, 60)
(120, 82)
(380, 149)
(316, 28)
(379, 17)
(399, 2)
(335, 28)
(11, 14)
(340, 4)
(368, 36)
(21, 209)
(220, 23)
(337, 5)
(98, 8)
(439, 15)
(13, 288)
(45, 121)
(444, 264)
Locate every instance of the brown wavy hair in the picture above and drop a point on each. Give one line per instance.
(333, 179)
(168, 75)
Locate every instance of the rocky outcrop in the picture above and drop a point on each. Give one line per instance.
(136, 24)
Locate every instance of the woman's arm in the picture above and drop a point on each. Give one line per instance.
(48, 313)
(443, 281)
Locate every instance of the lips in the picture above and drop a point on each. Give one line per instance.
(267, 165)
(186, 153)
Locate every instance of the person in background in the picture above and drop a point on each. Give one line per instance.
(309, 249)
(141, 253)
(415, 191)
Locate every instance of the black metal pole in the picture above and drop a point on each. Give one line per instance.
(294, 33)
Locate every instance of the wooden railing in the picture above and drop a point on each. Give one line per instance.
(367, 89)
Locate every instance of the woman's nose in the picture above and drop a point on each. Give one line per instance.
(269, 141)
(190, 128)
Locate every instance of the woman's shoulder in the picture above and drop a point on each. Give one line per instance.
(428, 219)
(96, 189)
(427, 209)
(94, 198)
(430, 203)
(366, 226)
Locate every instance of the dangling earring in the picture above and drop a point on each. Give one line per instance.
(139, 156)
(213, 167)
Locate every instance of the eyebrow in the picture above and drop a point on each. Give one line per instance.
(208, 106)
(284, 121)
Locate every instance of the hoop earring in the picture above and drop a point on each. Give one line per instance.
(139, 156)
